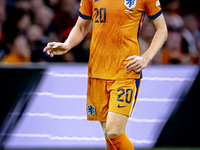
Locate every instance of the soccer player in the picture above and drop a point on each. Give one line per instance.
(115, 64)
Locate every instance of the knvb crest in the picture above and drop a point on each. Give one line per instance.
(130, 3)
(91, 110)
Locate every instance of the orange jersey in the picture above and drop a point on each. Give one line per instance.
(116, 26)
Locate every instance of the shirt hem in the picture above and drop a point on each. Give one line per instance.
(140, 76)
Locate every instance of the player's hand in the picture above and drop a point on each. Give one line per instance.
(56, 48)
(136, 64)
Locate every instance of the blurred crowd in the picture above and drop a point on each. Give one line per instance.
(26, 26)
(183, 43)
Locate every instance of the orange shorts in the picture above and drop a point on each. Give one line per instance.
(111, 95)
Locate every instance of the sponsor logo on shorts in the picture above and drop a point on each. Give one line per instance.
(119, 106)
(91, 110)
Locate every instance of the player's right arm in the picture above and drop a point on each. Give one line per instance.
(77, 34)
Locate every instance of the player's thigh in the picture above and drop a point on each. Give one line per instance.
(103, 124)
(115, 124)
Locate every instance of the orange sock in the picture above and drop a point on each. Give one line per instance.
(120, 142)
(110, 145)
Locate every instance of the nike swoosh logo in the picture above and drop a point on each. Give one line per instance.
(121, 106)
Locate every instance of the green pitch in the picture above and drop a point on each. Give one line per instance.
(168, 148)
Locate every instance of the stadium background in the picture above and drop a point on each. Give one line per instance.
(42, 99)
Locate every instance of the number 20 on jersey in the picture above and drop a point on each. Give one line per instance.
(100, 15)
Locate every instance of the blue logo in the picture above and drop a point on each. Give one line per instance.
(96, 0)
(130, 3)
(91, 110)
(119, 106)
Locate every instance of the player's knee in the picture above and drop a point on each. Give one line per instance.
(113, 132)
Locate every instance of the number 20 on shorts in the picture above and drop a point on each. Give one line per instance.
(129, 95)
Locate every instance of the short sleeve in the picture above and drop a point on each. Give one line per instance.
(85, 10)
(152, 9)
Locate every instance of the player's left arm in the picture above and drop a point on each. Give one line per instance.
(138, 63)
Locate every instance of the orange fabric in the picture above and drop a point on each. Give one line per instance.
(165, 56)
(13, 58)
(120, 142)
(109, 145)
(111, 95)
(115, 34)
